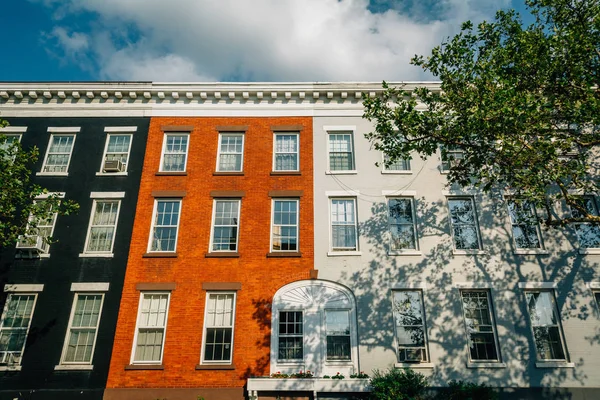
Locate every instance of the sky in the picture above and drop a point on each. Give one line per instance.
(229, 40)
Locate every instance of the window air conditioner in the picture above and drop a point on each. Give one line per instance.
(113, 166)
(32, 242)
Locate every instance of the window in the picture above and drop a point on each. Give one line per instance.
(341, 153)
(175, 149)
(14, 327)
(286, 152)
(290, 337)
(6, 141)
(58, 155)
(218, 327)
(545, 324)
(409, 320)
(226, 217)
(597, 298)
(525, 226)
(38, 240)
(165, 225)
(451, 156)
(231, 152)
(481, 329)
(116, 153)
(83, 328)
(151, 327)
(343, 225)
(463, 223)
(285, 225)
(588, 234)
(400, 164)
(103, 224)
(337, 326)
(403, 228)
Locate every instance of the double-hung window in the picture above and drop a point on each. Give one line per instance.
(286, 152)
(463, 223)
(545, 323)
(451, 156)
(481, 329)
(151, 328)
(290, 338)
(588, 234)
(39, 237)
(83, 328)
(226, 223)
(116, 152)
(165, 225)
(6, 143)
(409, 320)
(399, 164)
(103, 225)
(341, 151)
(525, 225)
(175, 150)
(218, 327)
(58, 155)
(403, 229)
(285, 225)
(14, 327)
(343, 225)
(597, 300)
(337, 327)
(231, 152)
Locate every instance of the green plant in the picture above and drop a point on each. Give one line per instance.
(302, 374)
(278, 374)
(338, 376)
(398, 384)
(326, 377)
(360, 375)
(461, 390)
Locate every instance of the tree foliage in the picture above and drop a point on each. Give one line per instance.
(20, 197)
(521, 103)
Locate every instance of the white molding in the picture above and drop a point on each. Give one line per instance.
(473, 252)
(410, 285)
(394, 193)
(107, 195)
(454, 192)
(395, 253)
(111, 173)
(531, 252)
(342, 193)
(13, 129)
(339, 128)
(392, 172)
(64, 129)
(42, 196)
(538, 285)
(52, 174)
(11, 367)
(96, 255)
(486, 365)
(74, 367)
(474, 285)
(589, 251)
(119, 129)
(89, 286)
(23, 287)
(413, 365)
(593, 285)
(340, 253)
(554, 364)
(342, 172)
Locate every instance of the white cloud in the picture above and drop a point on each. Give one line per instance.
(259, 40)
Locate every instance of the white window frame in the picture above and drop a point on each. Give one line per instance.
(533, 211)
(415, 288)
(492, 317)
(212, 225)
(70, 327)
(297, 153)
(576, 225)
(44, 164)
(295, 335)
(89, 230)
(336, 250)
(153, 224)
(386, 170)
(206, 327)
(479, 248)
(164, 149)
(241, 154)
(138, 327)
(15, 291)
(109, 134)
(444, 162)
(297, 225)
(340, 131)
(393, 251)
(326, 336)
(46, 246)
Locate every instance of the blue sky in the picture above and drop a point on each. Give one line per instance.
(228, 40)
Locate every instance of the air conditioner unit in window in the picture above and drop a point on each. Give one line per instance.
(412, 354)
(32, 242)
(113, 166)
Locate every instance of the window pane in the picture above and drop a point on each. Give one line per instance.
(464, 226)
(14, 327)
(480, 330)
(165, 225)
(225, 229)
(219, 327)
(400, 164)
(343, 225)
(290, 335)
(525, 225)
(338, 335)
(341, 157)
(546, 326)
(103, 226)
(175, 153)
(402, 226)
(410, 326)
(59, 153)
(230, 156)
(286, 152)
(285, 225)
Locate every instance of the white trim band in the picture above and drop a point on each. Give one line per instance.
(107, 195)
(391, 193)
(13, 129)
(410, 285)
(474, 285)
(64, 129)
(538, 285)
(118, 129)
(339, 128)
(342, 193)
(89, 286)
(23, 287)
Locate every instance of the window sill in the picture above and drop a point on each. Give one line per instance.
(407, 172)
(589, 251)
(349, 172)
(200, 367)
(339, 363)
(276, 173)
(52, 174)
(35, 257)
(531, 252)
(486, 365)
(133, 367)
(405, 253)
(468, 252)
(223, 254)
(171, 173)
(413, 365)
(10, 368)
(232, 173)
(343, 253)
(160, 254)
(278, 254)
(554, 364)
(111, 173)
(96, 255)
(73, 367)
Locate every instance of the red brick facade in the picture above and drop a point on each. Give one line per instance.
(259, 276)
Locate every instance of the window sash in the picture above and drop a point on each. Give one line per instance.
(450, 154)
(165, 225)
(44, 228)
(290, 335)
(219, 319)
(80, 340)
(175, 150)
(151, 327)
(225, 229)
(410, 327)
(344, 235)
(525, 226)
(402, 224)
(58, 155)
(400, 164)
(231, 153)
(545, 326)
(286, 152)
(284, 229)
(118, 147)
(480, 327)
(463, 223)
(337, 328)
(341, 152)
(103, 226)
(14, 327)
(588, 234)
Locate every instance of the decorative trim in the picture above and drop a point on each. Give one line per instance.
(286, 193)
(10, 368)
(227, 193)
(474, 285)
(89, 286)
(287, 128)
(177, 128)
(232, 128)
(13, 129)
(74, 367)
(146, 286)
(531, 252)
(392, 193)
(23, 287)
(119, 129)
(284, 254)
(172, 173)
(221, 286)
(223, 254)
(111, 173)
(342, 193)
(169, 193)
(107, 195)
(132, 367)
(473, 252)
(160, 254)
(64, 129)
(410, 285)
(214, 366)
(538, 285)
(349, 172)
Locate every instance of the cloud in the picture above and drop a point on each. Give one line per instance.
(260, 40)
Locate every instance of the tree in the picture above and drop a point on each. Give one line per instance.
(518, 108)
(21, 207)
